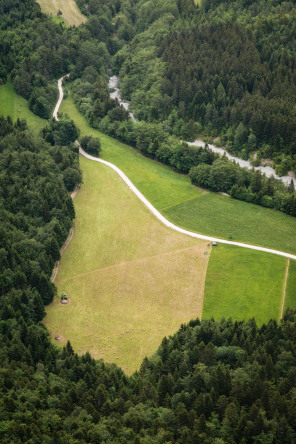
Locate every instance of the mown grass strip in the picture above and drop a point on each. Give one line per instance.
(284, 289)
(290, 300)
(235, 220)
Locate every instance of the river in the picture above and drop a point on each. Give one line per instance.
(267, 170)
(113, 83)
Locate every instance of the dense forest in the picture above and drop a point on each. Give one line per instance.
(230, 66)
(35, 51)
(211, 382)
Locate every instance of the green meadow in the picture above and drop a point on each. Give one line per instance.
(242, 284)
(197, 210)
(236, 220)
(15, 106)
(188, 206)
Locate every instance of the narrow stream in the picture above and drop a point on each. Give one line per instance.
(267, 170)
(113, 83)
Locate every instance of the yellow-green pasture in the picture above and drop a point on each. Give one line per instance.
(70, 11)
(15, 106)
(131, 281)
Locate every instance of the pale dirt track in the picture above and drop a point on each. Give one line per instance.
(153, 210)
(71, 14)
(62, 250)
(67, 241)
(284, 289)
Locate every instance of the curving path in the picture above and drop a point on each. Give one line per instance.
(61, 96)
(153, 210)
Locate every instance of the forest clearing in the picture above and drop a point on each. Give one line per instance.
(15, 106)
(181, 202)
(138, 281)
(228, 292)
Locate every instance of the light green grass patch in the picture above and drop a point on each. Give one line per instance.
(15, 106)
(235, 220)
(290, 300)
(243, 283)
(58, 20)
(189, 206)
(70, 11)
(130, 279)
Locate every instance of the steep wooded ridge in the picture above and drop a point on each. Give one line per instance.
(230, 66)
(209, 383)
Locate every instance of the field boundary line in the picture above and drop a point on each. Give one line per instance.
(284, 289)
(204, 284)
(152, 209)
(128, 262)
(62, 250)
(169, 207)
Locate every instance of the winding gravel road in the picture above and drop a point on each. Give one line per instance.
(152, 209)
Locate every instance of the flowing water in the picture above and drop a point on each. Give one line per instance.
(267, 170)
(113, 83)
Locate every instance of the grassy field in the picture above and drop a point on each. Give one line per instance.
(130, 280)
(189, 206)
(290, 300)
(70, 11)
(236, 220)
(11, 104)
(251, 287)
